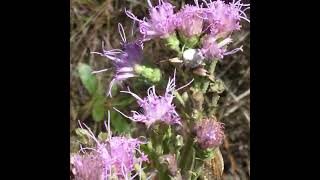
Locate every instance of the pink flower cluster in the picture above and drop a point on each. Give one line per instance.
(216, 20)
(114, 157)
(156, 108)
(161, 22)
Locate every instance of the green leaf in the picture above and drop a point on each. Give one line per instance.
(115, 89)
(98, 109)
(119, 123)
(123, 101)
(87, 78)
(179, 98)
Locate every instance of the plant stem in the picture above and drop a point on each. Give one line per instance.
(186, 157)
(179, 98)
(213, 67)
(198, 168)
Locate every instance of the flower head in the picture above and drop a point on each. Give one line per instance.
(161, 22)
(123, 59)
(89, 166)
(225, 18)
(122, 151)
(209, 133)
(114, 157)
(190, 21)
(211, 48)
(155, 107)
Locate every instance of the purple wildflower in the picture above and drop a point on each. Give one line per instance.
(225, 18)
(156, 108)
(89, 166)
(123, 59)
(161, 22)
(212, 49)
(115, 157)
(209, 133)
(190, 21)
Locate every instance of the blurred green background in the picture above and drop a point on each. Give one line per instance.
(95, 21)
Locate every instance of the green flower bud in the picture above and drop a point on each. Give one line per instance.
(152, 75)
(173, 42)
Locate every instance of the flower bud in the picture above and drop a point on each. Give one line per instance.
(209, 133)
(189, 21)
(152, 75)
(200, 71)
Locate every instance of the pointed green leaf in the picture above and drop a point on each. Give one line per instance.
(87, 78)
(122, 101)
(119, 123)
(98, 109)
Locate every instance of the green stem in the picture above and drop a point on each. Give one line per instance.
(179, 98)
(157, 151)
(186, 157)
(213, 67)
(205, 86)
(199, 164)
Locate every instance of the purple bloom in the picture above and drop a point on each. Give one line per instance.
(161, 22)
(89, 166)
(212, 49)
(225, 18)
(115, 157)
(209, 133)
(156, 108)
(122, 153)
(123, 59)
(190, 20)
